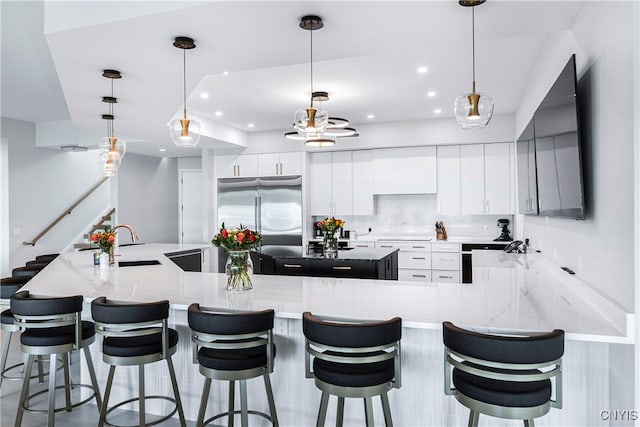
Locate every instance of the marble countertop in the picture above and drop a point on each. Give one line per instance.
(513, 293)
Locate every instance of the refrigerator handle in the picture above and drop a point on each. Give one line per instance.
(256, 213)
(259, 213)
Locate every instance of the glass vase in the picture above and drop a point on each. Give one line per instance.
(330, 245)
(109, 251)
(239, 270)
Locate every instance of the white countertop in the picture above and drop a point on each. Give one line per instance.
(520, 292)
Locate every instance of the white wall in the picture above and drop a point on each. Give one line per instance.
(42, 183)
(601, 248)
(148, 198)
(4, 208)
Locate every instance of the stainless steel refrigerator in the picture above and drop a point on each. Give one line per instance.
(271, 205)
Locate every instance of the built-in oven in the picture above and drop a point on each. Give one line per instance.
(467, 263)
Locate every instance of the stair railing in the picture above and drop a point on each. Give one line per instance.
(66, 212)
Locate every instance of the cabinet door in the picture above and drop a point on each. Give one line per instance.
(362, 165)
(320, 184)
(409, 170)
(341, 183)
(225, 166)
(448, 166)
(247, 165)
(472, 179)
(269, 164)
(497, 182)
(291, 163)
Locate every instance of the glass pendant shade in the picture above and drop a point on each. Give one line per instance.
(310, 122)
(473, 110)
(319, 142)
(185, 132)
(110, 153)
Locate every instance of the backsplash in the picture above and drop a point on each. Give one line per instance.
(415, 215)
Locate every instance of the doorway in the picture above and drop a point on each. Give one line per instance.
(191, 206)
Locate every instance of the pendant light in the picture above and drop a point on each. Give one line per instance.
(184, 132)
(311, 122)
(111, 149)
(473, 110)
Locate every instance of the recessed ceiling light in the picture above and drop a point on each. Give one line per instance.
(422, 70)
(218, 113)
(204, 95)
(225, 73)
(438, 110)
(431, 94)
(251, 125)
(162, 150)
(370, 116)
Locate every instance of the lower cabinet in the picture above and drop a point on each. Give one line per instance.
(414, 259)
(187, 260)
(383, 269)
(445, 262)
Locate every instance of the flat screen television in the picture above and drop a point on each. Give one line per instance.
(557, 152)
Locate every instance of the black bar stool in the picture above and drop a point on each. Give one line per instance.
(353, 359)
(134, 335)
(233, 346)
(9, 286)
(52, 326)
(503, 376)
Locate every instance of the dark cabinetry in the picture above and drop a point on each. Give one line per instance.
(190, 260)
(381, 269)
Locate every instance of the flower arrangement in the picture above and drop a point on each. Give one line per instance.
(330, 225)
(104, 239)
(237, 239)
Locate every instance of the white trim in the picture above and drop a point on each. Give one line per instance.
(636, 190)
(180, 172)
(4, 208)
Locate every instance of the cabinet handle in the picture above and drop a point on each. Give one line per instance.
(386, 246)
(293, 265)
(276, 169)
(362, 246)
(280, 168)
(446, 259)
(234, 170)
(418, 275)
(444, 277)
(419, 247)
(416, 257)
(238, 170)
(338, 267)
(487, 206)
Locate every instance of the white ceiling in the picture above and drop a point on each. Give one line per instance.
(366, 57)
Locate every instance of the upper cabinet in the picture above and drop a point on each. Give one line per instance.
(448, 165)
(341, 183)
(268, 164)
(485, 179)
(409, 170)
(233, 166)
(278, 164)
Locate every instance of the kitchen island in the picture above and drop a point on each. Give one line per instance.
(513, 293)
(355, 263)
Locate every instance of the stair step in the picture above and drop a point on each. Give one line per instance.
(81, 245)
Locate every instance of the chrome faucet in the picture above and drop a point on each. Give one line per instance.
(134, 236)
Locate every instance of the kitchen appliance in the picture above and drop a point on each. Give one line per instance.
(270, 205)
(504, 236)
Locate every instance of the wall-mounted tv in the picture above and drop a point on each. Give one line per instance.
(557, 153)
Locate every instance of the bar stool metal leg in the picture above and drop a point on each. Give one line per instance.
(340, 413)
(386, 409)
(244, 415)
(232, 402)
(141, 412)
(24, 393)
(176, 392)
(53, 359)
(368, 411)
(203, 402)
(322, 413)
(105, 401)
(272, 403)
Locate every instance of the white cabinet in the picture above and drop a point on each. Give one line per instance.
(448, 166)
(244, 165)
(408, 170)
(341, 183)
(362, 174)
(445, 262)
(414, 259)
(485, 179)
(278, 164)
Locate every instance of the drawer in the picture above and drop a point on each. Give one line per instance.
(356, 244)
(414, 259)
(445, 276)
(292, 268)
(445, 261)
(414, 275)
(445, 247)
(344, 268)
(405, 246)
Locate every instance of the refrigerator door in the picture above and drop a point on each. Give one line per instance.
(238, 202)
(280, 210)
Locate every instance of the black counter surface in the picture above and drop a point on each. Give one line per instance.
(351, 254)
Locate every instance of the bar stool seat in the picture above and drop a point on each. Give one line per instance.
(52, 326)
(137, 346)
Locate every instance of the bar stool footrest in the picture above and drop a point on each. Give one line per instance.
(62, 408)
(236, 412)
(135, 399)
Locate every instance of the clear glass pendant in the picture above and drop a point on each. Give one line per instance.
(310, 122)
(473, 110)
(185, 132)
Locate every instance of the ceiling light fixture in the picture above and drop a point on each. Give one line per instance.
(423, 70)
(184, 132)
(473, 110)
(111, 149)
(311, 122)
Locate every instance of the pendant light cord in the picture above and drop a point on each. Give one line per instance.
(111, 131)
(311, 62)
(184, 81)
(473, 45)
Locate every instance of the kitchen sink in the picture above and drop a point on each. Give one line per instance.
(138, 263)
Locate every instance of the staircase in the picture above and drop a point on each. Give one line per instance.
(104, 221)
